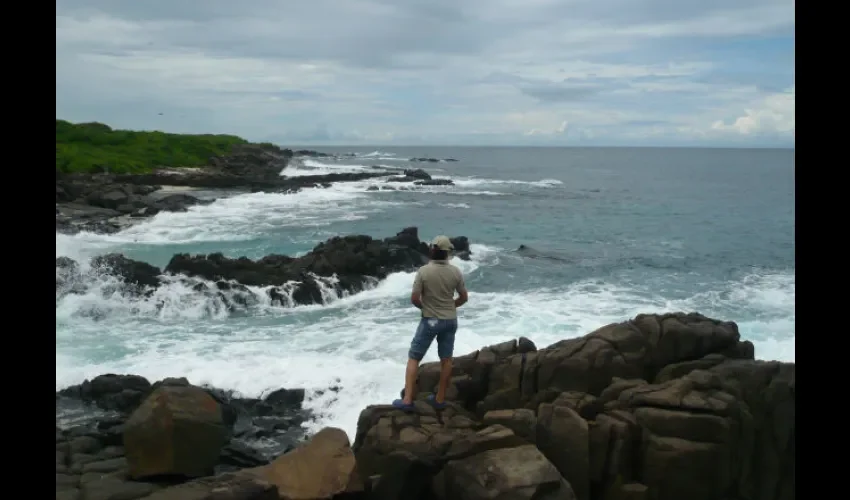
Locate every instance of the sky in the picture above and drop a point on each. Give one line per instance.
(434, 72)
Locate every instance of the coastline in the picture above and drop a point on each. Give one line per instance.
(600, 416)
(111, 202)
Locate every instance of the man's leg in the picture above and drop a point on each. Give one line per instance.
(445, 349)
(410, 380)
(445, 376)
(418, 347)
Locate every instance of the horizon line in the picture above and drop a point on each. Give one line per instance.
(552, 146)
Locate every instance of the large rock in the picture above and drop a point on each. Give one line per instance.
(176, 431)
(320, 469)
(660, 407)
(383, 430)
(521, 473)
(562, 435)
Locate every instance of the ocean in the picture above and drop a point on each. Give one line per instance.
(608, 233)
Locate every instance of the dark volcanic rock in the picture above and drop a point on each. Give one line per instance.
(122, 393)
(258, 161)
(178, 202)
(435, 182)
(92, 464)
(339, 266)
(667, 407)
(131, 271)
(420, 177)
(99, 203)
(311, 153)
(112, 398)
(354, 260)
(417, 173)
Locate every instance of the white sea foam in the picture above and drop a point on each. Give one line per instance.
(238, 218)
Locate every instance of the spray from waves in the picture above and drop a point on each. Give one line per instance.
(477, 181)
(96, 294)
(462, 185)
(379, 155)
(386, 156)
(287, 347)
(93, 292)
(363, 339)
(304, 167)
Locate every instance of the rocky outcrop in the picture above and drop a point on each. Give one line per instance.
(420, 177)
(105, 407)
(660, 407)
(99, 204)
(252, 161)
(312, 154)
(339, 266)
(176, 431)
(432, 160)
(107, 203)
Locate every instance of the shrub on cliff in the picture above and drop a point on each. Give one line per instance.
(95, 147)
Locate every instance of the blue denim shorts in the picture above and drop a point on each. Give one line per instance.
(443, 329)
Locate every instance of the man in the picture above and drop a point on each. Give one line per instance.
(434, 290)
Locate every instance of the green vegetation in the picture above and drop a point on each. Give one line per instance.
(94, 147)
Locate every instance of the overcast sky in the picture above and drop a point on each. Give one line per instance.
(377, 72)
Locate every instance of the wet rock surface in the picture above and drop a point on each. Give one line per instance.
(339, 266)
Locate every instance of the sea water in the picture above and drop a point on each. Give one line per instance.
(609, 233)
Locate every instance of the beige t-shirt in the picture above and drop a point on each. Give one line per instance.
(437, 282)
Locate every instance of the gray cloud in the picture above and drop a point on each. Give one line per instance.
(561, 93)
(379, 69)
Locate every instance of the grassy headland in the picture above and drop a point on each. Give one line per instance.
(95, 147)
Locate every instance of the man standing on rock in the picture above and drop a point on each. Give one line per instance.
(434, 290)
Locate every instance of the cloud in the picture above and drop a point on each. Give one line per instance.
(433, 71)
(771, 114)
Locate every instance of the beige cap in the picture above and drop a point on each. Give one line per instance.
(443, 243)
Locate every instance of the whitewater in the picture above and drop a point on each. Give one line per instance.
(602, 256)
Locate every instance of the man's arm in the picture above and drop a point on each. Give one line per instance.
(416, 296)
(463, 296)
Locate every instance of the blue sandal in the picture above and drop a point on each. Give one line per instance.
(433, 400)
(401, 405)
